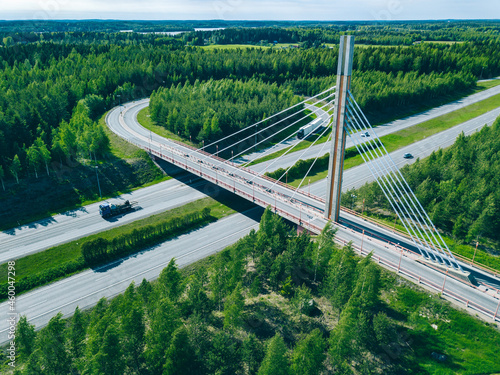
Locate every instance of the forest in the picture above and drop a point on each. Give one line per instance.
(374, 33)
(54, 86)
(215, 109)
(459, 186)
(273, 303)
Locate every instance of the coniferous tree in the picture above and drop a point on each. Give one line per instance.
(15, 167)
(180, 357)
(51, 341)
(308, 355)
(275, 361)
(164, 320)
(25, 337)
(233, 308)
(76, 334)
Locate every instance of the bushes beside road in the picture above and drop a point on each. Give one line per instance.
(101, 250)
(302, 166)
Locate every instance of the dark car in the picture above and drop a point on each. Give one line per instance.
(408, 156)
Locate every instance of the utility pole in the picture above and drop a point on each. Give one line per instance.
(475, 251)
(98, 185)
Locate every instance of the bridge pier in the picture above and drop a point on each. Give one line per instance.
(337, 150)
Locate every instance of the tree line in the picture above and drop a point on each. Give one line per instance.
(42, 84)
(373, 33)
(100, 250)
(215, 109)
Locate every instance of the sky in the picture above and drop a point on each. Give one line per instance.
(329, 10)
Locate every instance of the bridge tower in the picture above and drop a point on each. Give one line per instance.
(336, 163)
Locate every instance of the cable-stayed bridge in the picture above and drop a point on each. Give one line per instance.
(311, 212)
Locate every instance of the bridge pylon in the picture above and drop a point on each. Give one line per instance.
(337, 150)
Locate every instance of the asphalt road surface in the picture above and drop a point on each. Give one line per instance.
(86, 288)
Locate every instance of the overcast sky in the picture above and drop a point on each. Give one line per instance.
(250, 9)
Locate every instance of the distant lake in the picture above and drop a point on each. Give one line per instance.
(175, 32)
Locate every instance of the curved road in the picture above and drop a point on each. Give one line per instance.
(86, 288)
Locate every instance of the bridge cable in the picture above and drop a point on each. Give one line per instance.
(266, 167)
(300, 157)
(434, 230)
(388, 189)
(374, 169)
(268, 118)
(410, 193)
(312, 165)
(272, 135)
(270, 150)
(406, 200)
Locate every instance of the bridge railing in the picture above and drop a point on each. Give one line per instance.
(464, 259)
(441, 289)
(315, 229)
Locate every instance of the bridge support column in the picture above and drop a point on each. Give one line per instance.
(336, 164)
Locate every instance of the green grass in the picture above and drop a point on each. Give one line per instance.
(488, 84)
(470, 345)
(405, 137)
(61, 254)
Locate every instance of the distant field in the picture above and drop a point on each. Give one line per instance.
(231, 46)
(234, 46)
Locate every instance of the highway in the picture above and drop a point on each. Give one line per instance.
(320, 113)
(382, 130)
(65, 295)
(49, 232)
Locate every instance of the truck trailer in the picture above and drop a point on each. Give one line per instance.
(109, 210)
(310, 128)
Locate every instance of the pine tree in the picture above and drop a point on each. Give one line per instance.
(180, 357)
(15, 167)
(308, 355)
(342, 271)
(252, 353)
(275, 361)
(76, 334)
(2, 175)
(51, 341)
(171, 279)
(163, 321)
(108, 359)
(25, 337)
(233, 308)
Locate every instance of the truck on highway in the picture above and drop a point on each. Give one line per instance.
(310, 128)
(109, 210)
